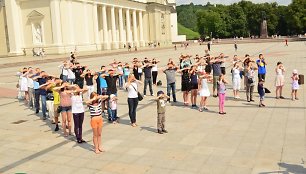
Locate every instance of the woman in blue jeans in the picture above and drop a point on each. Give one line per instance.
(132, 88)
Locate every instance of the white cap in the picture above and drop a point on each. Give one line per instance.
(112, 96)
(294, 71)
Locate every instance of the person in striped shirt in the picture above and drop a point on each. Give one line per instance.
(96, 121)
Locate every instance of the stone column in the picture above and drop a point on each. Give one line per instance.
(106, 44)
(135, 33)
(128, 28)
(95, 25)
(56, 22)
(141, 29)
(86, 32)
(114, 33)
(121, 36)
(71, 28)
(13, 26)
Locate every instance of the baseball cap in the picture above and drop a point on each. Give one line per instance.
(160, 93)
(112, 96)
(294, 71)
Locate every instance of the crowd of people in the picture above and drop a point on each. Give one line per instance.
(65, 95)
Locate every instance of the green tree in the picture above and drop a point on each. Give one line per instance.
(296, 17)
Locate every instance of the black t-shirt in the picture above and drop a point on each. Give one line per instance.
(111, 84)
(78, 72)
(42, 81)
(147, 71)
(88, 79)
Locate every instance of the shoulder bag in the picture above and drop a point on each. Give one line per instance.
(140, 97)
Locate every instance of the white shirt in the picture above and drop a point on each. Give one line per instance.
(63, 70)
(30, 83)
(77, 104)
(132, 93)
(113, 105)
(139, 70)
(154, 67)
(70, 74)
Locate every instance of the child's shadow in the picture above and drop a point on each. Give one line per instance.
(85, 145)
(124, 121)
(150, 129)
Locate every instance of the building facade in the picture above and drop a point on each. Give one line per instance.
(62, 26)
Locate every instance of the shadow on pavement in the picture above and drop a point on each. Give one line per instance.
(150, 129)
(288, 169)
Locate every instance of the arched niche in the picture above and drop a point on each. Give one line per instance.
(36, 20)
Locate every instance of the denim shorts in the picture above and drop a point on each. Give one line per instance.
(66, 109)
(103, 91)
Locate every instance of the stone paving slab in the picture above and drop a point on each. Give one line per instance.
(248, 139)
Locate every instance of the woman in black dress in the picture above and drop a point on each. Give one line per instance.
(193, 85)
(208, 65)
(185, 84)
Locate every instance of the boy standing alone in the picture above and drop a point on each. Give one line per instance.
(161, 111)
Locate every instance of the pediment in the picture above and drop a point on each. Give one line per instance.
(35, 14)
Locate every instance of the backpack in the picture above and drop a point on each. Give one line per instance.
(159, 83)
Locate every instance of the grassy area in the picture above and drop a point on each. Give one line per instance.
(186, 31)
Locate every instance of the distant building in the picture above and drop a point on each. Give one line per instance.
(61, 26)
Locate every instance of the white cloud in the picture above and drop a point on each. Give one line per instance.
(179, 2)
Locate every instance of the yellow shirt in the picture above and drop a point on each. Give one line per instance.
(56, 95)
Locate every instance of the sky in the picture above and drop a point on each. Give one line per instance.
(179, 2)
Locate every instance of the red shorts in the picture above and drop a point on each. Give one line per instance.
(96, 122)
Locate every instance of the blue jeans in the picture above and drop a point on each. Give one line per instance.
(111, 117)
(36, 101)
(146, 82)
(43, 99)
(114, 115)
(125, 78)
(170, 87)
(65, 78)
(120, 81)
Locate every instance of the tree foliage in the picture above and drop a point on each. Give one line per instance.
(243, 18)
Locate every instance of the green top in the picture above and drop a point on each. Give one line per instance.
(161, 106)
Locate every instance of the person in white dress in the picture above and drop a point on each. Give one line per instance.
(204, 90)
(279, 80)
(236, 80)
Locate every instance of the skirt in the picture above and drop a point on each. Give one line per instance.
(204, 92)
(236, 83)
(185, 86)
(194, 86)
(279, 80)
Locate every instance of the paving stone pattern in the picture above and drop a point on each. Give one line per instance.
(248, 140)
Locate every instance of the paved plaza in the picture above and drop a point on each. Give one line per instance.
(247, 140)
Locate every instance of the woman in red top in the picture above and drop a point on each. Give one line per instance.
(65, 91)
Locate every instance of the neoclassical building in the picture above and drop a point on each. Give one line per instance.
(61, 26)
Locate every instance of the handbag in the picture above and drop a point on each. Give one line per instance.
(59, 109)
(250, 81)
(140, 96)
(267, 90)
(50, 96)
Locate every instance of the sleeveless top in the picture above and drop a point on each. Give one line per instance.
(95, 110)
(279, 72)
(221, 89)
(65, 99)
(194, 79)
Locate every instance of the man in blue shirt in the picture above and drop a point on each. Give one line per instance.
(36, 89)
(261, 67)
(103, 86)
(42, 80)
